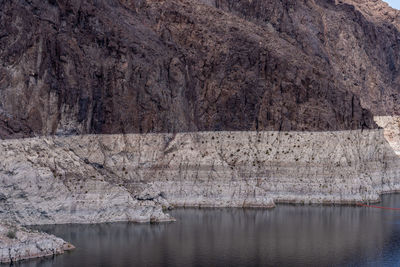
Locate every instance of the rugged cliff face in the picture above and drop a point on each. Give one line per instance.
(358, 41)
(215, 103)
(170, 66)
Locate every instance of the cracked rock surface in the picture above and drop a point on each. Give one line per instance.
(44, 181)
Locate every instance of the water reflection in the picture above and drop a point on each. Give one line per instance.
(287, 235)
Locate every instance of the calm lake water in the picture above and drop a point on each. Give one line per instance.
(285, 236)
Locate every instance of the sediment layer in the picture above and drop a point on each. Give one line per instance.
(45, 182)
(18, 243)
(101, 178)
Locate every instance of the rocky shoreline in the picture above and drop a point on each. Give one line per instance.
(138, 177)
(134, 177)
(18, 243)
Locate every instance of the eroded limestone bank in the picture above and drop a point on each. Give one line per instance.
(18, 243)
(101, 178)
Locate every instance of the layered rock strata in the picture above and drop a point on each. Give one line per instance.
(44, 181)
(101, 178)
(18, 243)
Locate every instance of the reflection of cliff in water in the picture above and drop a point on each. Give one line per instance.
(287, 235)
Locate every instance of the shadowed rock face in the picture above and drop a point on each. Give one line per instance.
(174, 66)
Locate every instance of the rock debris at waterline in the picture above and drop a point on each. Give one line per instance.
(18, 243)
(135, 177)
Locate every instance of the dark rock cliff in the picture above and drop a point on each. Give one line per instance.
(129, 66)
(358, 39)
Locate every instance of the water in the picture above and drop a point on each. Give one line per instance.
(285, 236)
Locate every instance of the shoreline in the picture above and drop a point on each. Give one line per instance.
(137, 178)
(62, 246)
(18, 243)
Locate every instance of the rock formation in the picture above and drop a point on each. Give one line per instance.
(44, 181)
(102, 178)
(18, 243)
(358, 41)
(171, 66)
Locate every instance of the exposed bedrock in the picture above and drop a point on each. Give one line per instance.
(49, 191)
(133, 66)
(18, 243)
(133, 177)
(391, 126)
(357, 39)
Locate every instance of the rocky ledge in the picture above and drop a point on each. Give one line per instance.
(18, 243)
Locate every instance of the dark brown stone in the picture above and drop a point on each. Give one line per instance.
(109, 66)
